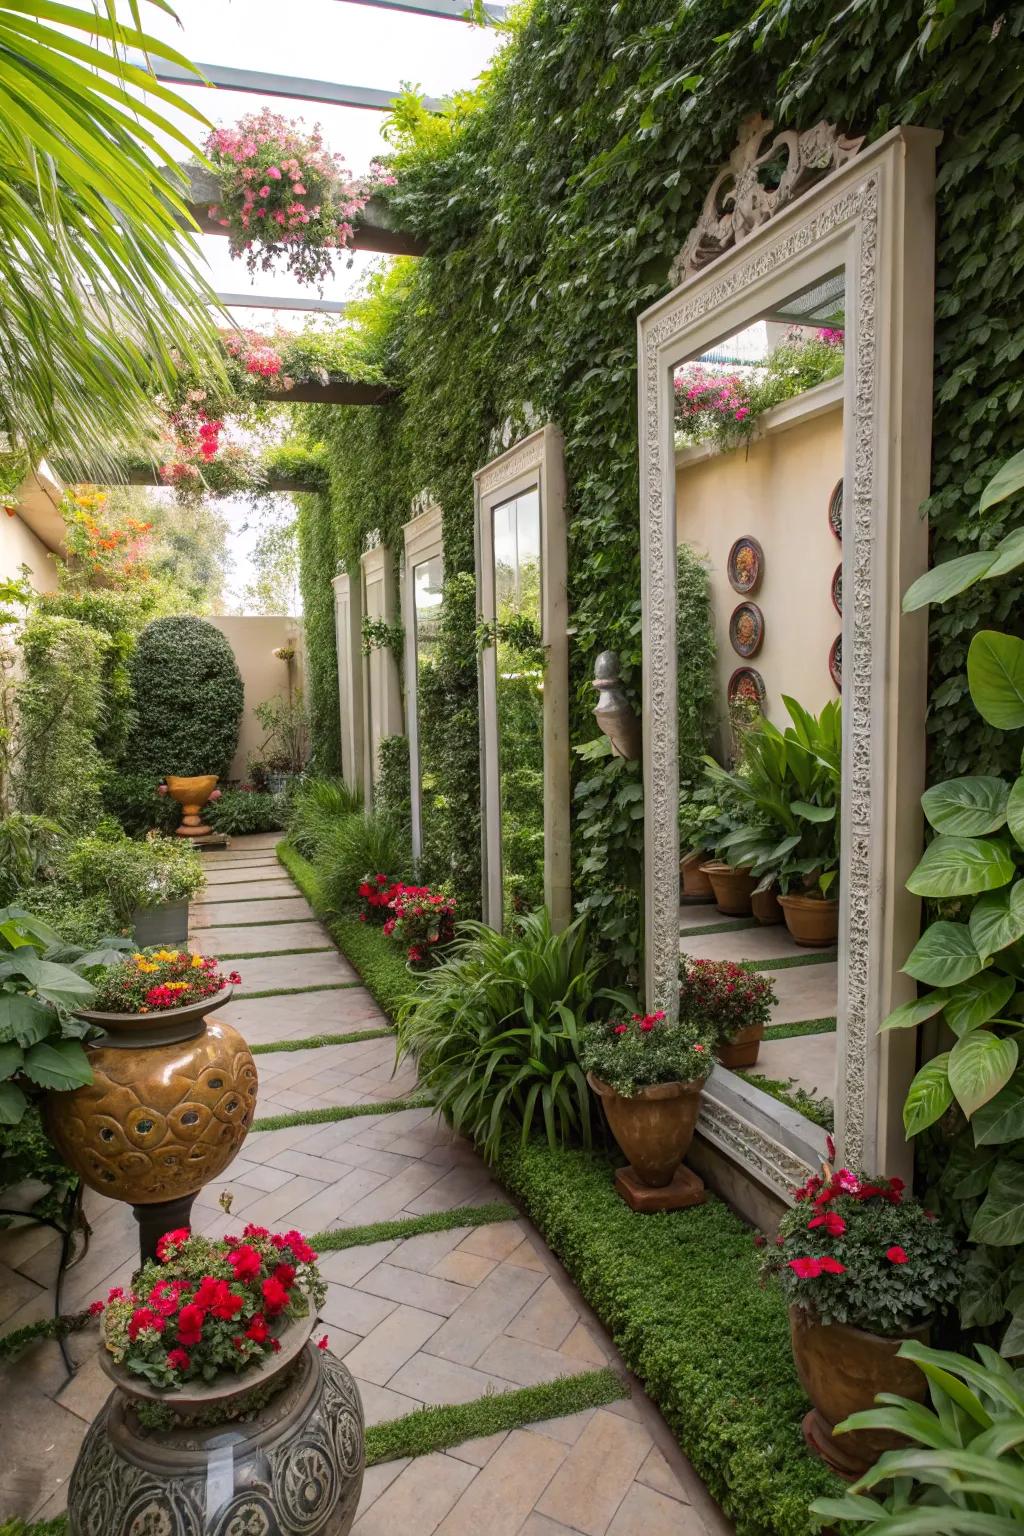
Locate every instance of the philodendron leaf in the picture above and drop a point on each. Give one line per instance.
(1005, 482)
(907, 1015)
(967, 807)
(995, 674)
(818, 813)
(946, 580)
(928, 1096)
(986, 1280)
(977, 1000)
(1002, 1118)
(1000, 1217)
(24, 1019)
(997, 919)
(1015, 810)
(60, 1064)
(13, 1103)
(11, 1058)
(979, 1065)
(944, 956)
(1012, 1343)
(961, 866)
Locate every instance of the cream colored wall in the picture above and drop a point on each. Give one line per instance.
(254, 638)
(779, 494)
(20, 546)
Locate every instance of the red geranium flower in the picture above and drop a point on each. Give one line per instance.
(178, 1360)
(258, 1329)
(896, 1254)
(832, 1266)
(95, 1308)
(833, 1223)
(806, 1268)
(286, 1274)
(322, 1343)
(145, 1317)
(190, 1324)
(275, 1297)
(245, 1261)
(171, 1240)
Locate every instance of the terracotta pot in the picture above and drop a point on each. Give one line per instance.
(811, 921)
(191, 794)
(694, 883)
(732, 887)
(293, 1464)
(742, 1049)
(654, 1128)
(842, 1369)
(765, 907)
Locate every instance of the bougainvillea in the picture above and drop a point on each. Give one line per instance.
(154, 979)
(96, 546)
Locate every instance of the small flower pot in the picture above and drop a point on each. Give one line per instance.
(842, 1369)
(654, 1128)
(765, 907)
(733, 888)
(810, 920)
(694, 884)
(742, 1049)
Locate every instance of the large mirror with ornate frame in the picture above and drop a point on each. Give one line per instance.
(422, 611)
(785, 390)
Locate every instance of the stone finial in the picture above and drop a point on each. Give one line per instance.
(613, 711)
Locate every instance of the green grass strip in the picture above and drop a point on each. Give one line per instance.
(242, 996)
(785, 962)
(437, 1429)
(413, 1226)
(820, 1111)
(313, 1042)
(805, 1027)
(268, 954)
(731, 925)
(56, 1527)
(332, 1112)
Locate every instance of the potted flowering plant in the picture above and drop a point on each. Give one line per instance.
(215, 1333)
(421, 919)
(730, 1004)
(864, 1267)
(648, 1075)
(158, 980)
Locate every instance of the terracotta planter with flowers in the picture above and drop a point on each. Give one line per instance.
(733, 888)
(730, 1004)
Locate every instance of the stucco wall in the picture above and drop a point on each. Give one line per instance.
(778, 492)
(254, 638)
(20, 546)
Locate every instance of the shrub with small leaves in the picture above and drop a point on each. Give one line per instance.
(635, 1053)
(719, 997)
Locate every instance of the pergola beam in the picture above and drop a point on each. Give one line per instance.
(448, 10)
(290, 483)
(268, 301)
(296, 87)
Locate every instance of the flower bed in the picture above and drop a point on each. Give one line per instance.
(422, 920)
(154, 979)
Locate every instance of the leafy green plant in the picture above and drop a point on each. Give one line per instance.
(495, 1030)
(316, 808)
(318, 563)
(60, 705)
(608, 842)
(391, 792)
(188, 699)
(132, 797)
(718, 998)
(379, 635)
(28, 845)
(353, 847)
(284, 718)
(961, 1469)
(245, 810)
(132, 874)
(26, 1152)
(636, 1052)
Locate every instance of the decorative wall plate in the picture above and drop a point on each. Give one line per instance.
(746, 686)
(837, 588)
(745, 565)
(746, 629)
(835, 662)
(835, 510)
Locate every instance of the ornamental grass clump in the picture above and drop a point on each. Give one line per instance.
(154, 979)
(211, 1307)
(862, 1251)
(719, 998)
(632, 1054)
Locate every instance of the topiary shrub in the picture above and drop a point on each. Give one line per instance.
(188, 698)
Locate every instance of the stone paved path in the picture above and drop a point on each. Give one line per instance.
(441, 1318)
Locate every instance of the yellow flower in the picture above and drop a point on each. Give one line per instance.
(197, 962)
(146, 965)
(175, 986)
(166, 954)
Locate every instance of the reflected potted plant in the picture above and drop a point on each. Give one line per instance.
(649, 1074)
(698, 817)
(729, 1003)
(864, 1267)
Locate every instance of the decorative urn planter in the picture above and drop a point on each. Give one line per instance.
(811, 921)
(654, 1128)
(191, 794)
(765, 907)
(742, 1050)
(170, 1103)
(278, 1451)
(842, 1369)
(694, 884)
(733, 888)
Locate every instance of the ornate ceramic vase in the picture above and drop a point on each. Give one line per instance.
(283, 1455)
(191, 794)
(170, 1103)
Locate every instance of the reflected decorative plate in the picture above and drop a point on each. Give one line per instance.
(746, 629)
(835, 510)
(746, 686)
(837, 588)
(835, 662)
(745, 565)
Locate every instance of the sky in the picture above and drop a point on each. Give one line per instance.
(334, 40)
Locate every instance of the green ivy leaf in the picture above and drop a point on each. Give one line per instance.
(13, 1104)
(946, 580)
(961, 866)
(967, 807)
(997, 919)
(928, 1096)
(944, 956)
(977, 1000)
(1000, 1218)
(907, 1015)
(1002, 1118)
(60, 1064)
(995, 674)
(979, 1065)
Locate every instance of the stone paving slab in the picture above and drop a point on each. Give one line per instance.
(807, 1060)
(267, 972)
(279, 909)
(333, 1011)
(244, 875)
(277, 887)
(704, 914)
(805, 992)
(772, 943)
(275, 938)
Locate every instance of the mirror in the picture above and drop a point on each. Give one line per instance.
(425, 774)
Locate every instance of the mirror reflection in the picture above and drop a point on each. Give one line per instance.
(520, 685)
(759, 492)
(428, 612)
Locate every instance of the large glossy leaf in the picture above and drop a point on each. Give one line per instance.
(961, 866)
(979, 1065)
(1012, 1343)
(977, 1000)
(946, 580)
(60, 1064)
(907, 1015)
(815, 813)
(928, 1096)
(967, 807)
(56, 983)
(1009, 554)
(11, 1058)
(1007, 481)
(995, 673)
(1015, 811)
(944, 955)
(997, 919)
(23, 1019)
(1002, 1118)
(1000, 1218)
(13, 1103)
(984, 1288)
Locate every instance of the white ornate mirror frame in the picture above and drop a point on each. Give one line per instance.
(874, 218)
(423, 542)
(535, 463)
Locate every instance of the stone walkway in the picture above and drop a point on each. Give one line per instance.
(439, 1318)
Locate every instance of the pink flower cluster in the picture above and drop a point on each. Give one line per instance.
(702, 391)
(832, 337)
(422, 920)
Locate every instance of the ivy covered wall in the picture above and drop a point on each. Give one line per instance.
(554, 200)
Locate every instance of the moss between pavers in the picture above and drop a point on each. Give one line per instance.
(315, 1042)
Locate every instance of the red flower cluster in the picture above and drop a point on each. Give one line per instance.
(719, 997)
(376, 891)
(209, 437)
(823, 1190)
(422, 919)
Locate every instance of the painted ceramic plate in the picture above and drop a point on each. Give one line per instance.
(746, 629)
(835, 662)
(745, 566)
(835, 511)
(837, 589)
(746, 686)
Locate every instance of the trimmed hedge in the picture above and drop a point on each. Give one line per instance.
(188, 698)
(680, 1296)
